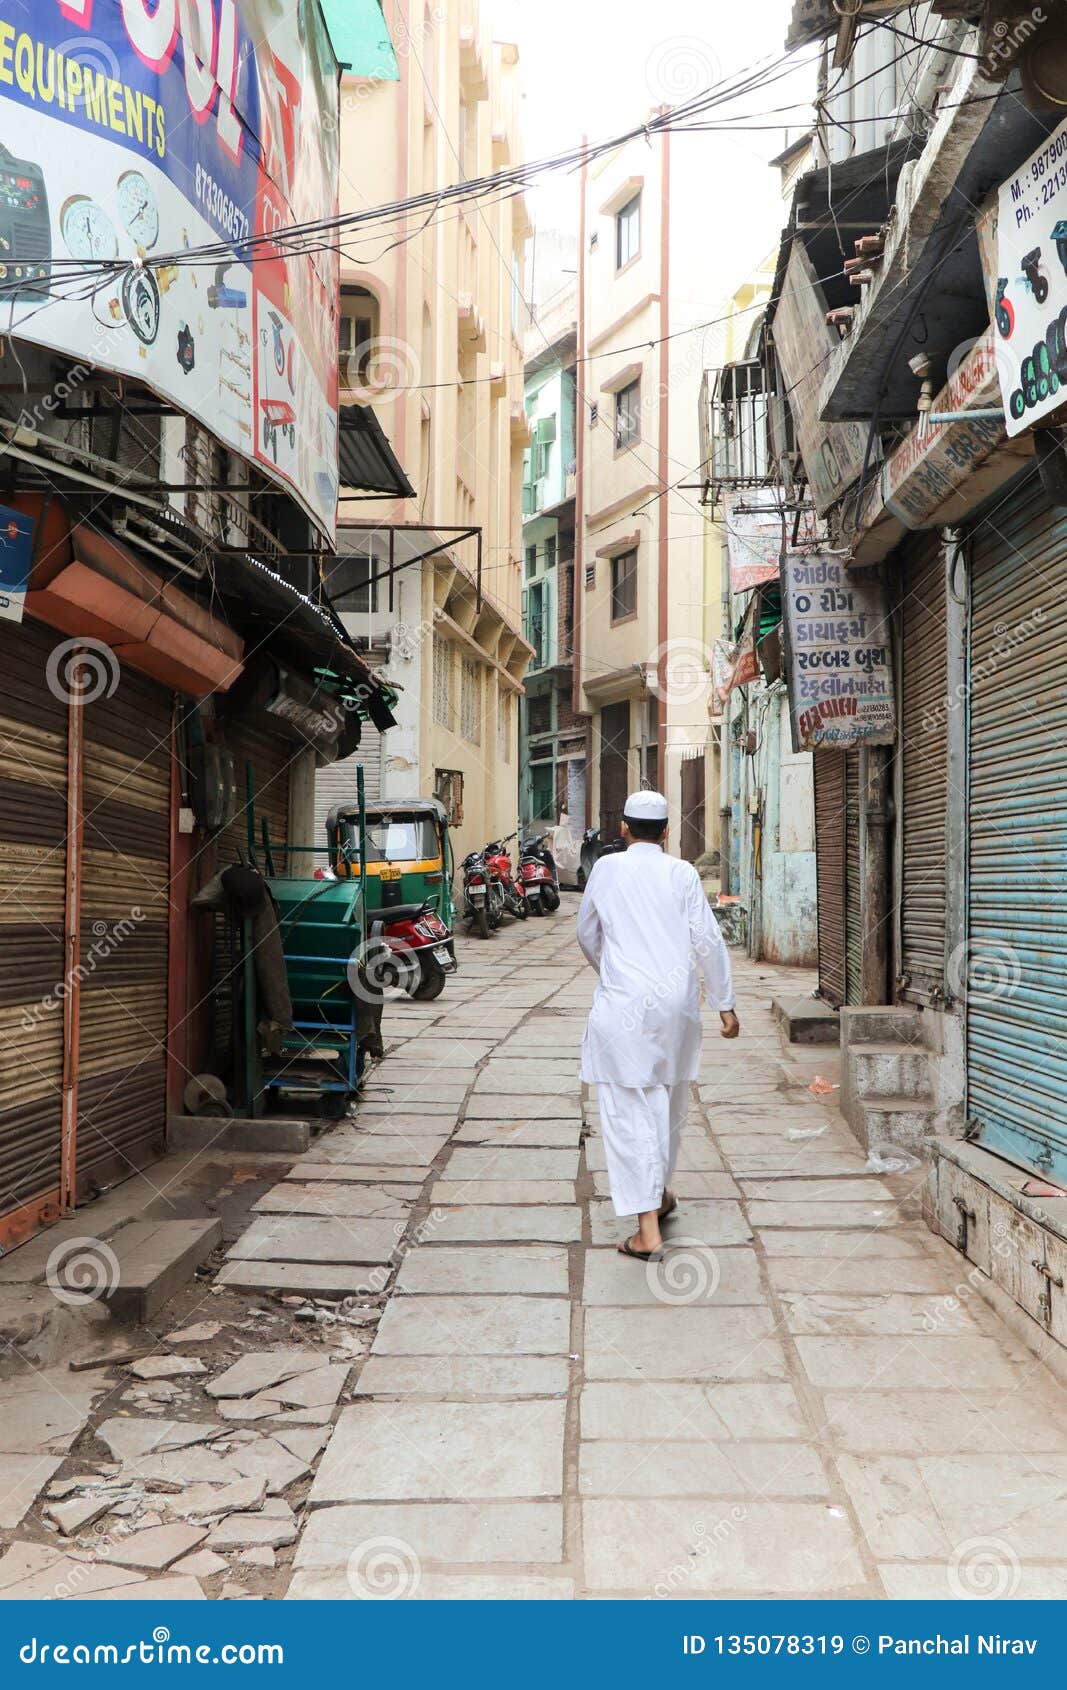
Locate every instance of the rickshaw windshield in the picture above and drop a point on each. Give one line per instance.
(399, 839)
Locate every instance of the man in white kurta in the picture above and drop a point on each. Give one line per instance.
(646, 926)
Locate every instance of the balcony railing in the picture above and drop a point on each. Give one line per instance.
(734, 441)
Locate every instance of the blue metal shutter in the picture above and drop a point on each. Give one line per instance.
(853, 882)
(1016, 964)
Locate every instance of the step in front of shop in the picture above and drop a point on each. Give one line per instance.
(1015, 1241)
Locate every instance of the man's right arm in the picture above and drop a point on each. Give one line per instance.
(589, 932)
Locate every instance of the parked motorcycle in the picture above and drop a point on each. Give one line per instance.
(420, 950)
(513, 892)
(537, 872)
(479, 898)
(593, 848)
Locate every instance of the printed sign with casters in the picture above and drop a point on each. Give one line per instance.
(1030, 302)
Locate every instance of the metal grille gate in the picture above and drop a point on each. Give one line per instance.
(923, 751)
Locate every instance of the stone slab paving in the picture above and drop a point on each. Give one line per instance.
(805, 1396)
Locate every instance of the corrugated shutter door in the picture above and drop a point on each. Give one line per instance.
(270, 756)
(830, 872)
(924, 754)
(336, 783)
(1017, 941)
(33, 825)
(124, 932)
(853, 891)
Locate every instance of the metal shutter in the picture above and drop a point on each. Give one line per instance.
(853, 885)
(336, 783)
(125, 909)
(33, 825)
(1017, 905)
(829, 767)
(923, 751)
(270, 757)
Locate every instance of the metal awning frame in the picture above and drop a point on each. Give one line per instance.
(454, 535)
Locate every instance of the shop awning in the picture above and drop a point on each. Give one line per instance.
(360, 38)
(366, 461)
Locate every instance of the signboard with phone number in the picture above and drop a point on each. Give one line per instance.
(135, 132)
(1030, 299)
(840, 666)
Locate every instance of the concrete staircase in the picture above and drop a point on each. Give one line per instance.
(886, 1091)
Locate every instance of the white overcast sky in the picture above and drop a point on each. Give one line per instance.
(598, 66)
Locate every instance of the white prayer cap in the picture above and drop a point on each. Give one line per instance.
(645, 807)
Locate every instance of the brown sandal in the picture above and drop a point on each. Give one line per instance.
(625, 1249)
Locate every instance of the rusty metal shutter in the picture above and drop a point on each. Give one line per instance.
(125, 909)
(33, 826)
(829, 769)
(1016, 973)
(336, 783)
(270, 757)
(853, 882)
(923, 751)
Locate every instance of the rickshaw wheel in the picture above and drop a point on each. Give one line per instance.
(427, 989)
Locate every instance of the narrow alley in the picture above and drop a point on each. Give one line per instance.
(503, 1406)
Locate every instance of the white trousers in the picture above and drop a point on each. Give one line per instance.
(642, 1129)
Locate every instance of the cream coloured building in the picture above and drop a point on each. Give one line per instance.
(431, 324)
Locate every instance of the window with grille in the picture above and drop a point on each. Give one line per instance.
(628, 232)
(594, 414)
(470, 703)
(353, 586)
(590, 576)
(357, 335)
(628, 415)
(442, 681)
(623, 586)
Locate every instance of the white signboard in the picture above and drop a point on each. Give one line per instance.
(840, 655)
(1030, 299)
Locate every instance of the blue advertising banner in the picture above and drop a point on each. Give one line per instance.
(152, 154)
(16, 552)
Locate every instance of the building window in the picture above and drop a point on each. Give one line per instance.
(358, 328)
(628, 232)
(442, 681)
(535, 623)
(590, 576)
(550, 552)
(353, 586)
(623, 586)
(531, 561)
(470, 702)
(628, 415)
(594, 415)
(448, 790)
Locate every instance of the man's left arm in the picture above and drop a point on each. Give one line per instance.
(713, 958)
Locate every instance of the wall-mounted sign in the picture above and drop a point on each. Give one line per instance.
(16, 554)
(840, 669)
(136, 132)
(1030, 296)
(832, 452)
(754, 536)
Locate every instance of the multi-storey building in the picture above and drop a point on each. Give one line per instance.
(430, 336)
(553, 738)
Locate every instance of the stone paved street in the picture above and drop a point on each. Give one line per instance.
(800, 1399)
(805, 1397)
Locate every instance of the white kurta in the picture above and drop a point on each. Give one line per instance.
(646, 925)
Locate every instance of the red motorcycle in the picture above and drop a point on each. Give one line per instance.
(537, 871)
(498, 861)
(418, 950)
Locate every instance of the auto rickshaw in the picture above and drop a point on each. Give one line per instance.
(408, 876)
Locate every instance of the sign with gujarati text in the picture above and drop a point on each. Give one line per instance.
(745, 667)
(1030, 297)
(16, 555)
(754, 537)
(840, 670)
(153, 153)
(804, 342)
